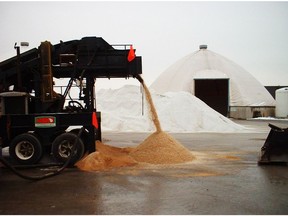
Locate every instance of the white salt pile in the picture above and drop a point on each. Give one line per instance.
(177, 111)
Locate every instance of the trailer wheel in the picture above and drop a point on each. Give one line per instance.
(26, 149)
(62, 146)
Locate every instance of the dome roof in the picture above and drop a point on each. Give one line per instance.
(244, 89)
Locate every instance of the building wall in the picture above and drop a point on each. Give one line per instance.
(251, 112)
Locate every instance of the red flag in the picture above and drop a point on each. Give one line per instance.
(131, 54)
(94, 120)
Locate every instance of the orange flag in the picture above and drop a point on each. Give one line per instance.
(131, 54)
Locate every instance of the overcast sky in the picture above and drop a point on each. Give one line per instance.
(252, 34)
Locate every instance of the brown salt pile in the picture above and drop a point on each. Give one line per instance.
(106, 157)
(161, 148)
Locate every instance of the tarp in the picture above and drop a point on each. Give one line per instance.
(244, 89)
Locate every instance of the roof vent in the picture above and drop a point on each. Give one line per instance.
(204, 46)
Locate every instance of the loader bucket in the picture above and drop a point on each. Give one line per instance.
(275, 148)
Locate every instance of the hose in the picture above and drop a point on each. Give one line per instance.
(47, 175)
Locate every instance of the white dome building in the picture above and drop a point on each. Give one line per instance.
(219, 82)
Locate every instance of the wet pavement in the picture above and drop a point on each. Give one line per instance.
(224, 179)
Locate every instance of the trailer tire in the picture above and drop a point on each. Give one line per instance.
(26, 149)
(62, 146)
